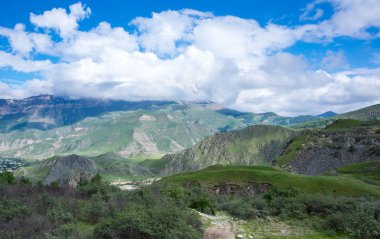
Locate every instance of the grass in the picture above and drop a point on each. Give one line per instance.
(368, 172)
(294, 228)
(334, 185)
(343, 124)
(290, 152)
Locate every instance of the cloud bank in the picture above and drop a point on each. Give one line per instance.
(192, 55)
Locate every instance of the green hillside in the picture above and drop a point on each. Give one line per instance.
(254, 145)
(245, 176)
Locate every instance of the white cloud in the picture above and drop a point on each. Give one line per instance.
(59, 20)
(18, 39)
(351, 18)
(17, 63)
(189, 55)
(333, 61)
(163, 31)
(311, 12)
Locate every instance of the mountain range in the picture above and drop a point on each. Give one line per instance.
(44, 126)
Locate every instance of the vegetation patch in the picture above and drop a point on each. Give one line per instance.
(291, 150)
(343, 124)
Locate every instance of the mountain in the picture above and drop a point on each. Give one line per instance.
(342, 143)
(364, 114)
(327, 114)
(254, 145)
(45, 112)
(269, 118)
(71, 169)
(42, 126)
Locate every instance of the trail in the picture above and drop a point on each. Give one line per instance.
(220, 227)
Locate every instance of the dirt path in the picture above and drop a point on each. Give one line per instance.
(220, 227)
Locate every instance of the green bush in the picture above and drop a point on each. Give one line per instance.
(361, 223)
(155, 221)
(58, 215)
(6, 178)
(203, 205)
(11, 209)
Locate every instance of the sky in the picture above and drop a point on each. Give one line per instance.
(290, 57)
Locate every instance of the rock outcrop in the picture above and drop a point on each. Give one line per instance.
(325, 151)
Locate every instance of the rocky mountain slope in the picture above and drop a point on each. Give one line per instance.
(254, 145)
(341, 143)
(149, 131)
(43, 126)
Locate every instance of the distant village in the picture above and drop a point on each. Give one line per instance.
(9, 165)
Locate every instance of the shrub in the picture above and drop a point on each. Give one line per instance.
(155, 221)
(11, 209)
(203, 205)
(58, 215)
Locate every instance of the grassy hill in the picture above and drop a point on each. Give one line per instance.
(247, 175)
(368, 172)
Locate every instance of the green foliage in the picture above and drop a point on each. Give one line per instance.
(290, 152)
(94, 209)
(11, 209)
(360, 223)
(6, 178)
(58, 215)
(343, 124)
(203, 205)
(37, 211)
(151, 215)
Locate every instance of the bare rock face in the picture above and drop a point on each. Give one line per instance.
(70, 170)
(222, 188)
(325, 152)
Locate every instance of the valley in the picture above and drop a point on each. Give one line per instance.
(225, 173)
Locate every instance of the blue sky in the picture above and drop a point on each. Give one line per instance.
(291, 57)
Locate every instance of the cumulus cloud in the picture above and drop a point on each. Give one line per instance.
(59, 20)
(189, 55)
